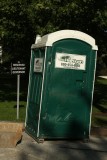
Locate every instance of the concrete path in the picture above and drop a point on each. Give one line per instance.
(29, 149)
(105, 77)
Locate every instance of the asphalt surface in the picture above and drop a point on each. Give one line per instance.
(29, 149)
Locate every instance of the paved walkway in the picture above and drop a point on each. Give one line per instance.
(29, 149)
(105, 77)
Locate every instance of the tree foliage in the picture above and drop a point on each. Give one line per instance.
(21, 20)
(16, 30)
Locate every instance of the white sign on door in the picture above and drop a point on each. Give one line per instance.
(38, 64)
(70, 61)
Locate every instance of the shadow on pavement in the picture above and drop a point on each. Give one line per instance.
(96, 149)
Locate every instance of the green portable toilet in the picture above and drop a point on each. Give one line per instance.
(61, 83)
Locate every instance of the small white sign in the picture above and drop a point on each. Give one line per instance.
(70, 61)
(18, 68)
(38, 64)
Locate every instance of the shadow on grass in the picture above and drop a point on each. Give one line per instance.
(101, 121)
(100, 96)
(100, 103)
(8, 88)
(20, 106)
(101, 108)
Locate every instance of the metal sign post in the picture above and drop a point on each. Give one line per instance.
(18, 68)
(18, 94)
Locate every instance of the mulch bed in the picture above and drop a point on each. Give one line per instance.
(99, 131)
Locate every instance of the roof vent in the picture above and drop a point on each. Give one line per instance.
(38, 39)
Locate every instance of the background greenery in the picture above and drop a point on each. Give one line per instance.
(22, 20)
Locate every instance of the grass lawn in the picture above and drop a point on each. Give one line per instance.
(99, 112)
(8, 96)
(8, 111)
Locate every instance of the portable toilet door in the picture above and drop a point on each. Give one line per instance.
(61, 83)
